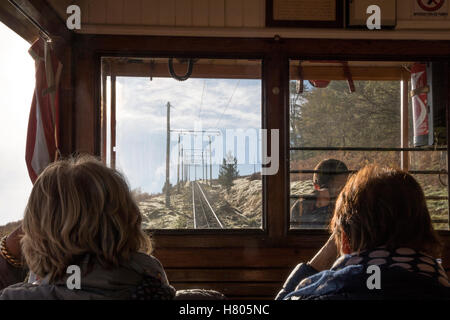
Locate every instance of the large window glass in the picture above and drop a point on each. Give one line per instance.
(345, 115)
(186, 134)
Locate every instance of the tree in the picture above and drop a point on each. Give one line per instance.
(228, 172)
(334, 117)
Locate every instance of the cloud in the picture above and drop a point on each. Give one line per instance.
(144, 102)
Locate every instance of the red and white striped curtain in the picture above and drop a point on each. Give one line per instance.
(43, 126)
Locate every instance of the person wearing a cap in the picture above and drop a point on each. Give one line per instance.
(315, 210)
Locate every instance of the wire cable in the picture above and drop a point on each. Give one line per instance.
(201, 100)
(228, 104)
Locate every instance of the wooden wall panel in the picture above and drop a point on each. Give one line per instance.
(132, 12)
(217, 13)
(404, 9)
(252, 12)
(114, 11)
(183, 13)
(167, 12)
(227, 274)
(212, 13)
(262, 13)
(150, 12)
(84, 7)
(85, 102)
(200, 13)
(233, 257)
(234, 13)
(97, 12)
(66, 103)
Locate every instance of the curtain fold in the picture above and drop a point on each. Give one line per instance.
(43, 125)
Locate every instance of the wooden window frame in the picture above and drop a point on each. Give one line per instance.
(104, 146)
(276, 53)
(378, 74)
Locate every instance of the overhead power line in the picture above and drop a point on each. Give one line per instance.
(229, 101)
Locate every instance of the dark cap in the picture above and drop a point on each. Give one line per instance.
(328, 169)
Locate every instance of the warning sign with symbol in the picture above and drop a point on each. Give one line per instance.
(431, 8)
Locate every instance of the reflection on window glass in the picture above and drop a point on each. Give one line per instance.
(335, 132)
(189, 149)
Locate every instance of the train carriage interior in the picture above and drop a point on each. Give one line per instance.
(219, 112)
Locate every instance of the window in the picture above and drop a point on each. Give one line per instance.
(190, 147)
(16, 85)
(374, 124)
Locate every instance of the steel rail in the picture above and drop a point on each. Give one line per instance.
(193, 206)
(208, 225)
(212, 210)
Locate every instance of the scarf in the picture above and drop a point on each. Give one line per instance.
(351, 266)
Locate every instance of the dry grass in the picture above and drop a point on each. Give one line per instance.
(8, 228)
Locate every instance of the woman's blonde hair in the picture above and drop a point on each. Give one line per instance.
(77, 207)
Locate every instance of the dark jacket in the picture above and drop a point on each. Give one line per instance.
(141, 278)
(349, 281)
(305, 214)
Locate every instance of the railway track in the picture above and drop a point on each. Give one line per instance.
(204, 215)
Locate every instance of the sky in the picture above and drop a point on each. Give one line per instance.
(16, 92)
(198, 104)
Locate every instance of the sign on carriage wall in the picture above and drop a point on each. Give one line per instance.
(430, 9)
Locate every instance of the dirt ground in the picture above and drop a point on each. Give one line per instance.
(239, 208)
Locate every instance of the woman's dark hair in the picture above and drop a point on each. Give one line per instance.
(328, 169)
(384, 207)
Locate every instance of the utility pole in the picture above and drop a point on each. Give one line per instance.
(188, 164)
(182, 166)
(188, 172)
(210, 162)
(193, 161)
(178, 165)
(206, 167)
(203, 166)
(168, 157)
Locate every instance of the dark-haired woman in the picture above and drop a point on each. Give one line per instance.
(382, 230)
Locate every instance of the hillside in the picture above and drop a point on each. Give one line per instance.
(240, 208)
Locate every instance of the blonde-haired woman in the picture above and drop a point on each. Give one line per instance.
(81, 213)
